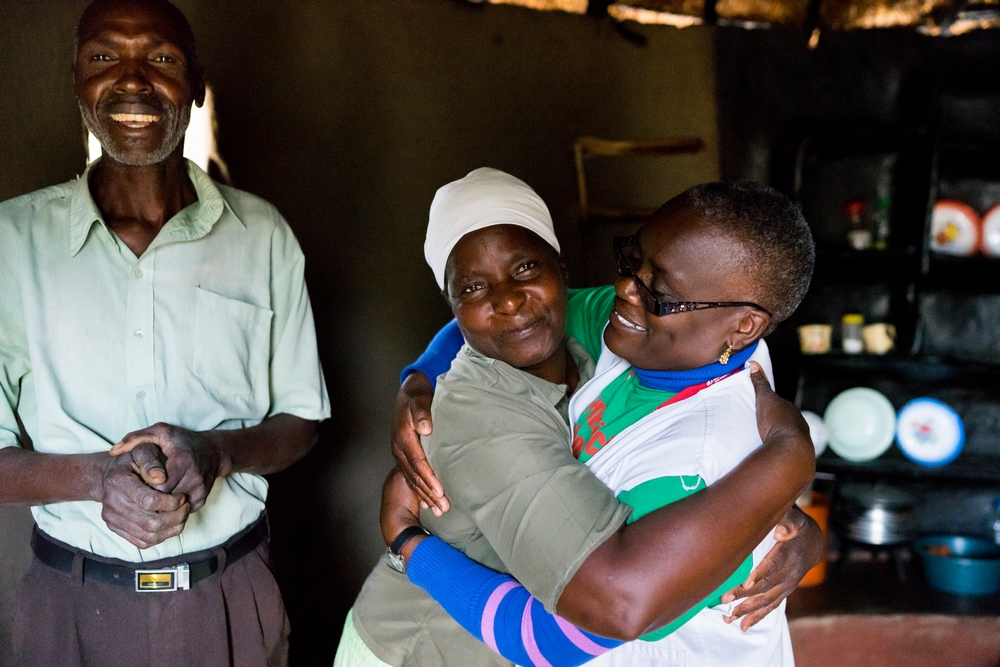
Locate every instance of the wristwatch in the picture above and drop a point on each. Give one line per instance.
(394, 558)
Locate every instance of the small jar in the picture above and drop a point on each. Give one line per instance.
(859, 234)
(850, 333)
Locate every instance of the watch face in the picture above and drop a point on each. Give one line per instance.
(396, 562)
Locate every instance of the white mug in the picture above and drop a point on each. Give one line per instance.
(815, 338)
(879, 338)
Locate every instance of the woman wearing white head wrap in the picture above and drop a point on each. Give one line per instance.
(485, 197)
(494, 253)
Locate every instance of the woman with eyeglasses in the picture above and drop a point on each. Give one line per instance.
(667, 413)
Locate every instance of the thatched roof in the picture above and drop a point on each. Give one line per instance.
(935, 17)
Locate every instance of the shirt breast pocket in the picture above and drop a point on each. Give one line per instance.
(231, 352)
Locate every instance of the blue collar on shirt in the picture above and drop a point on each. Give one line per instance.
(676, 381)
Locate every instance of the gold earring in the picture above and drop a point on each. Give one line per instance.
(724, 358)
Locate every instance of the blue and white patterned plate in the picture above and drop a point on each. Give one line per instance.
(929, 432)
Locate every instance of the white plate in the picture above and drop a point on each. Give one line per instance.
(991, 232)
(929, 432)
(817, 430)
(954, 228)
(861, 423)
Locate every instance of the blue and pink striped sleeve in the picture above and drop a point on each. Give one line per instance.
(499, 611)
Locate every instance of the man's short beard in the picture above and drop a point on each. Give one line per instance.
(175, 123)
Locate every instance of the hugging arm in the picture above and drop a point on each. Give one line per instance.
(650, 572)
(799, 548)
(437, 358)
(491, 606)
(499, 611)
(413, 415)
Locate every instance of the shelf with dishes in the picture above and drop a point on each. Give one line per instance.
(964, 235)
(904, 306)
(967, 275)
(964, 218)
(967, 468)
(865, 192)
(860, 432)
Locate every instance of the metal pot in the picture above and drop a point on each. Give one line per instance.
(875, 514)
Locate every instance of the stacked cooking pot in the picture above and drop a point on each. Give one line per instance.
(875, 514)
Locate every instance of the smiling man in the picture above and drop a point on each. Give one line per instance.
(157, 356)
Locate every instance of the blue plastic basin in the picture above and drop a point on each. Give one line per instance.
(972, 569)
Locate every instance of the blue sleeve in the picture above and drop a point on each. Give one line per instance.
(499, 611)
(437, 358)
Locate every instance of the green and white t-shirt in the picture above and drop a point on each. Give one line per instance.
(622, 403)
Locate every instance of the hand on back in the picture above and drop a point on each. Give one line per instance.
(779, 418)
(799, 539)
(799, 548)
(400, 506)
(413, 419)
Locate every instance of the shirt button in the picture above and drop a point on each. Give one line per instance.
(138, 333)
(137, 273)
(141, 395)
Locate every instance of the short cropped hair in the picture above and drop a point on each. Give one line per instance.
(780, 253)
(187, 42)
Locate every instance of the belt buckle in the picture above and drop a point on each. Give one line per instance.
(177, 578)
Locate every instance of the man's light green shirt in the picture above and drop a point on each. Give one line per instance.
(210, 329)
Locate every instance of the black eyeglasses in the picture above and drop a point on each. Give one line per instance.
(629, 264)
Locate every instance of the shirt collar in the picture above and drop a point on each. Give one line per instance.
(553, 393)
(189, 224)
(676, 381)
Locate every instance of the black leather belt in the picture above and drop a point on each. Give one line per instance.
(179, 576)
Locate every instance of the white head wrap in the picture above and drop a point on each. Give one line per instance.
(484, 198)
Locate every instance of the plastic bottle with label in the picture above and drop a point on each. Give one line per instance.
(850, 333)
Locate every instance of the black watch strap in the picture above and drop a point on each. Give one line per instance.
(405, 536)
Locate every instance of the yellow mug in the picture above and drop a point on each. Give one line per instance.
(815, 338)
(879, 338)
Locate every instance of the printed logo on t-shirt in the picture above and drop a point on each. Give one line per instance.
(592, 418)
(623, 402)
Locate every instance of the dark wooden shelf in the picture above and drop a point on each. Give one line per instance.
(967, 468)
(873, 588)
(924, 369)
(970, 275)
(897, 265)
(878, 257)
(964, 159)
(922, 293)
